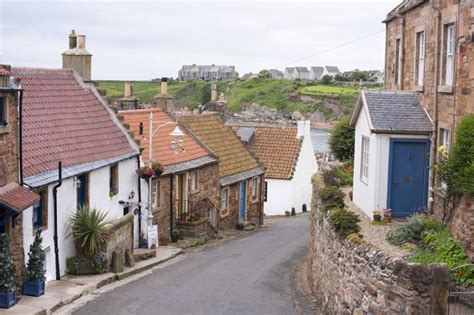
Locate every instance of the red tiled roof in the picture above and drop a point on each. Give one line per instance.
(277, 149)
(17, 197)
(161, 147)
(4, 71)
(63, 121)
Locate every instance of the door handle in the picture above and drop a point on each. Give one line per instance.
(395, 183)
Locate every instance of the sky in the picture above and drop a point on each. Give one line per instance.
(141, 40)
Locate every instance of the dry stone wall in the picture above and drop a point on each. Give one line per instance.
(350, 278)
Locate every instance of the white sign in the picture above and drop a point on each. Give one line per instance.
(152, 235)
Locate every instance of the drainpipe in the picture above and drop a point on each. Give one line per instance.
(434, 138)
(139, 204)
(171, 203)
(55, 200)
(20, 136)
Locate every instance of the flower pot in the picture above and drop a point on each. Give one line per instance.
(387, 219)
(350, 195)
(33, 288)
(164, 241)
(7, 299)
(377, 217)
(174, 238)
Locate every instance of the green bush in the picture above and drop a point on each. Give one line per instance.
(344, 222)
(35, 268)
(461, 157)
(7, 271)
(413, 230)
(344, 173)
(341, 140)
(331, 197)
(439, 247)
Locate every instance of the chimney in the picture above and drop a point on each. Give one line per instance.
(77, 57)
(128, 89)
(164, 86)
(72, 40)
(304, 129)
(213, 92)
(222, 97)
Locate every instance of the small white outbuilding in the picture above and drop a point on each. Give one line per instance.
(392, 152)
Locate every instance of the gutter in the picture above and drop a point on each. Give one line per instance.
(55, 203)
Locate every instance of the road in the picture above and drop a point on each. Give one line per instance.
(248, 275)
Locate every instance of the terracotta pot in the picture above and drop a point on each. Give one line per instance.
(164, 241)
(377, 217)
(387, 219)
(350, 195)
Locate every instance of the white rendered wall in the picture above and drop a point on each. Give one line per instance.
(279, 197)
(98, 197)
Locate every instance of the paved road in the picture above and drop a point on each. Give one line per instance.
(249, 275)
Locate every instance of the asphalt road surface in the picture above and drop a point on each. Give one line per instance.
(248, 275)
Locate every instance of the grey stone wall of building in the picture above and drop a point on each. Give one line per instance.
(349, 278)
(120, 237)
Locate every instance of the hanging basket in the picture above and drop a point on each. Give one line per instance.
(157, 168)
(145, 172)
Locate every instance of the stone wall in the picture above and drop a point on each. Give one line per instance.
(462, 225)
(350, 278)
(120, 237)
(201, 228)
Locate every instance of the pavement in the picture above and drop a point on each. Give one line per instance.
(248, 275)
(71, 288)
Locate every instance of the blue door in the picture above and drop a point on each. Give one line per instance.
(408, 176)
(81, 186)
(243, 200)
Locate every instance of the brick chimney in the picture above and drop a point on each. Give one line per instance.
(164, 86)
(77, 57)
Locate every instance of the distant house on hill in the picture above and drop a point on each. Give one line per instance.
(276, 74)
(331, 70)
(249, 75)
(293, 73)
(376, 75)
(288, 157)
(207, 73)
(316, 73)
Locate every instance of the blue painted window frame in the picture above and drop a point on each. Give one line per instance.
(38, 214)
(390, 161)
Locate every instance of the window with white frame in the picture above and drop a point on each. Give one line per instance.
(364, 169)
(255, 189)
(155, 193)
(194, 180)
(445, 138)
(225, 201)
(398, 64)
(449, 54)
(420, 57)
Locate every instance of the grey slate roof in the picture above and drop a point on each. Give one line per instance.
(289, 69)
(245, 133)
(317, 72)
(301, 69)
(333, 69)
(395, 111)
(188, 165)
(234, 178)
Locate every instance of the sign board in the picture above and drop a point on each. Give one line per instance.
(152, 235)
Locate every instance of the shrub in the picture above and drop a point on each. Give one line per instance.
(413, 230)
(35, 268)
(344, 173)
(355, 238)
(89, 230)
(331, 197)
(341, 140)
(461, 157)
(7, 271)
(344, 222)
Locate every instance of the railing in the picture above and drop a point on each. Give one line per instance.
(203, 209)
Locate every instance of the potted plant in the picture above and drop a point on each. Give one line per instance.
(387, 215)
(34, 282)
(287, 213)
(7, 274)
(157, 168)
(240, 225)
(174, 235)
(145, 172)
(377, 215)
(164, 240)
(350, 195)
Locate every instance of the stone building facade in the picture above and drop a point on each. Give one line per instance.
(207, 73)
(430, 50)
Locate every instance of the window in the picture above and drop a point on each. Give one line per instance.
(3, 112)
(398, 68)
(444, 138)
(114, 178)
(364, 169)
(155, 193)
(3, 221)
(255, 189)
(40, 211)
(420, 58)
(449, 54)
(194, 181)
(225, 201)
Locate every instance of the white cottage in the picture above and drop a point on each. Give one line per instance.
(65, 120)
(392, 152)
(288, 156)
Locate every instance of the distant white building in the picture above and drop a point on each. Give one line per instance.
(276, 74)
(331, 70)
(293, 73)
(207, 72)
(316, 73)
(377, 76)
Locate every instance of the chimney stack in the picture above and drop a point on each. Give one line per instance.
(128, 89)
(222, 97)
(164, 86)
(213, 92)
(77, 57)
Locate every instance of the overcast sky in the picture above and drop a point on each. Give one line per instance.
(140, 40)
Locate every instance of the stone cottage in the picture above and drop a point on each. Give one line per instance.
(241, 177)
(207, 72)
(288, 157)
(66, 120)
(14, 198)
(186, 195)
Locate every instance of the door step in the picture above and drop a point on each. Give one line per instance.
(140, 254)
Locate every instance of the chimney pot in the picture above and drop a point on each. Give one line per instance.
(72, 40)
(81, 41)
(164, 86)
(128, 89)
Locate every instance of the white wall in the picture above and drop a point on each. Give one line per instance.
(279, 198)
(98, 198)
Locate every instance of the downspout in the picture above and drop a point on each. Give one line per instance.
(55, 200)
(139, 204)
(20, 136)
(171, 203)
(455, 76)
(434, 138)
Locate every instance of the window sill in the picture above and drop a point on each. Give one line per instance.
(419, 88)
(364, 181)
(5, 129)
(448, 89)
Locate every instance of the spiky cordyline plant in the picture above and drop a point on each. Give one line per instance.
(89, 229)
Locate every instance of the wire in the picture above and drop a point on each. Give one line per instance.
(333, 48)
